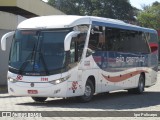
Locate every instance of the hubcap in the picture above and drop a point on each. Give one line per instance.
(87, 92)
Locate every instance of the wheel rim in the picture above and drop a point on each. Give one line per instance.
(88, 91)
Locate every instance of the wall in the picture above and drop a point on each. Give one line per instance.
(8, 22)
(37, 7)
(43, 8)
(4, 55)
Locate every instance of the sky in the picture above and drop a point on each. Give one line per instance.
(138, 3)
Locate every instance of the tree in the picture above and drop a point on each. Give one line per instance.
(150, 16)
(116, 9)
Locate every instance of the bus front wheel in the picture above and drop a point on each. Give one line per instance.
(39, 99)
(89, 91)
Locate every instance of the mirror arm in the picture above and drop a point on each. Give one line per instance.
(68, 39)
(4, 38)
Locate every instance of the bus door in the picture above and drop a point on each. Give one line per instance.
(76, 71)
(95, 55)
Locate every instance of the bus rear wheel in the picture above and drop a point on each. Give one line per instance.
(141, 85)
(89, 91)
(39, 99)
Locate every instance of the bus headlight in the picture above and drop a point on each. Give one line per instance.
(12, 80)
(55, 82)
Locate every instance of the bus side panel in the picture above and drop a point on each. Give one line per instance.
(153, 57)
(153, 65)
(119, 70)
(74, 84)
(90, 69)
(92, 73)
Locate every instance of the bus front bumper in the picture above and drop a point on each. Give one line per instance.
(37, 89)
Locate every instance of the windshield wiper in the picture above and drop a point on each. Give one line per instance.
(44, 63)
(28, 59)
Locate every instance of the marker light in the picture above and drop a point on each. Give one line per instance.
(12, 80)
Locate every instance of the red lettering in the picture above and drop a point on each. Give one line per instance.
(44, 79)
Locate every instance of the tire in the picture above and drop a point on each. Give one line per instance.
(140, 88)
(39, 99)
(89, 91)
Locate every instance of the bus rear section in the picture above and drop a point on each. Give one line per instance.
(124, 56)
(159, 49)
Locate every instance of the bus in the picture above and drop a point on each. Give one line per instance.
(159, 49)
(79, 56)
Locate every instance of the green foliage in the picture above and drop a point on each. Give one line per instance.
(150, 16)
(116, 9)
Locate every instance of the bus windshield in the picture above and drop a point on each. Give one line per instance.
(38, 52)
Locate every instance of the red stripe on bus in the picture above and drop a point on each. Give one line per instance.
(123, 77)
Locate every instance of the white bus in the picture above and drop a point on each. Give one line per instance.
(78, 56)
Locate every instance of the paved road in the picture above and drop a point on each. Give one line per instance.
(116, 101)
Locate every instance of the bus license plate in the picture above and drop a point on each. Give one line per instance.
(32, 92)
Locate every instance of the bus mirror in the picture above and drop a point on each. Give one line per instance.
(4, 38)
(68, 38)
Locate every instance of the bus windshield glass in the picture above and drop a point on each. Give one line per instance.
(38, 52)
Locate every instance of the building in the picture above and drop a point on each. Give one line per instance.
(12, 12)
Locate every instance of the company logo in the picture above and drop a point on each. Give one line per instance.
(32, 84)
(19, 77)
(21, 114)
(6, 114)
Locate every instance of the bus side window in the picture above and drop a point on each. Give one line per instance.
(80, 45)
(102, 39)
(72, 51)
(77, 46)
(93, 40)
(112, 41)
(96, 40)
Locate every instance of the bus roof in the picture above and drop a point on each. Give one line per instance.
(66, 21)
